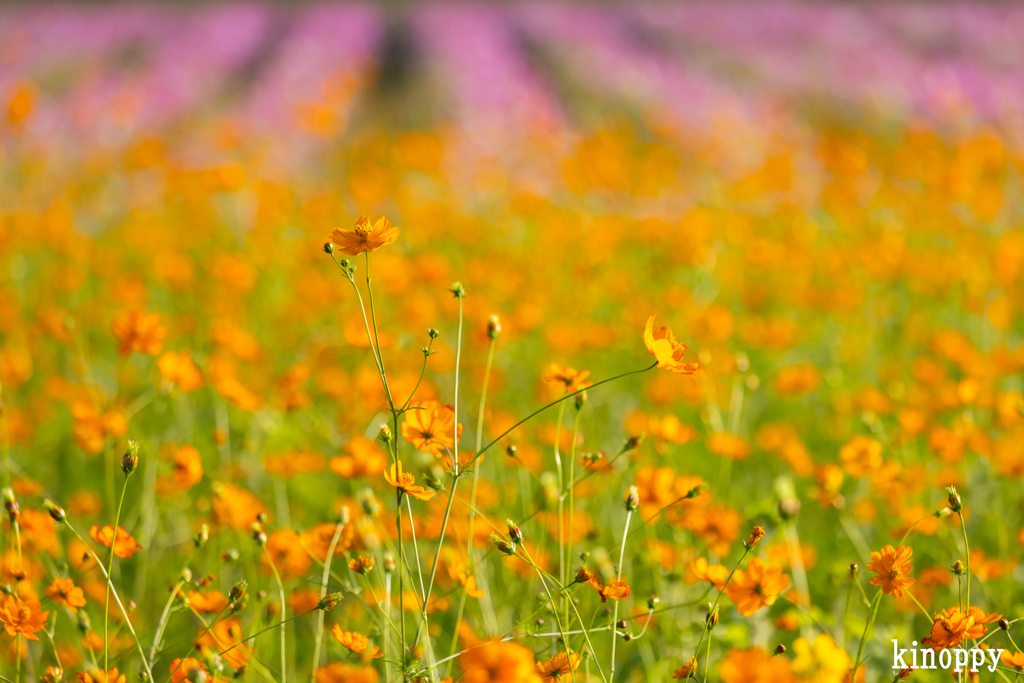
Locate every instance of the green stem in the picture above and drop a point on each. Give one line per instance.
(967, 555)
(615, 612)
(284, 608)
(323, 594)
(572, 502)
(867, 629)
(110, 568)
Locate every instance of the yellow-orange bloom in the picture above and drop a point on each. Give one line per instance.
(557, 666)
(125, 545)
(405, 482)
(361, 564)
(952, 627)
(365, 237)
(662, 344)
(182, 669)
(339, 672)
(892, 565)
(22, 617)
(495, 661)
(756, 587)
(570, 379)
(355, 642)
(180, 370)
(430, 427)
(688, 670)
(141, 332)
(65, 592)
(1014, 661)
(99, 676)
(616, 590)
(715, 574)
(861, 456)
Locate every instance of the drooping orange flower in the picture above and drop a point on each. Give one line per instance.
(356, 642)
(570, 379)
(892, 565)
(715, 574)
(125, 545)
(364, 236)
(406, 483)
(687, 670)
(22, 617)
(662, 344)
(559, 665)
(180, 370)
(616, 590)
(65, 592)
(140, 332)
(190, 669)
(496, 661)
(756, 587)
(430, 427)
(952, 626)
(99, 676)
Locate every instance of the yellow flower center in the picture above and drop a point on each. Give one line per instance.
(362, 230)
(23, 613)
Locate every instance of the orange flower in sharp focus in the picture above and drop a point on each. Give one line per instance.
(570, 379)
(356, 642)
(184, 669)
(662, 344)
(559, 665)
(98, 676)
(141, 332)
(756, 587)
(405, 482)
(952, 627)
(22, 617)
(125, 546)
(494, 661)
(429, 427)
(65, 592)
(1014, 661)
(616, 590)
(892, 565)
(180, 370)
(365, 237)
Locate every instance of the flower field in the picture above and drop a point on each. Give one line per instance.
(511, 343)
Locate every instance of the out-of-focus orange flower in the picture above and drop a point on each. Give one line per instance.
(226, 633)
(235, 506)
(20, 104)
(952, 626)
(190, 669)
(861, 456)
(430, 427)
(567, 378)
(22, 617)
(715, 574)
(406, 483)
(188, 469)
(756, 587)
(292, 463)
(796, 380)
(285, 547)
(687, 670)
(65, 592)
(363, 459)
(92, 428)
(339, 672)
(495, 661)
(754, 665)
(728, 445)
(891, 566)
(662, 344)
(180, 370)
(356, 642)
(125, 544)
(365, 237)
(208, 602)
(1014, 661)
(100, 676)
(616, 590)
(361, 564)
(140, 332)
(558, 665)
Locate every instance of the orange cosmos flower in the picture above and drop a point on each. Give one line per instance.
(616, 590)
(861, 456)
(430, 426)
(495, 661)
(570, 379)
(338, 672)
(662, 344)
(125, 545)
(99, 676)
(759, 586)
(560, 665)
(141, 332)
(1014, 661)
(365, 237)
(404, 482)
(209, 602)
(356, 642)
(688, 670)
(952, 627)
(65, 592)
(180, 370)
(361, 564)
(715, 574)
(183, 669)
(892, 566)
(22, 617)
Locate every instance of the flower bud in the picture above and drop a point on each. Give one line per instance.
(1004, 624)
(389, 563)
(957, 568)
(262, 518)
(130, 461)
(955, 504)
(712, 617)
(371, 505)
(780, 649)
(186, 575)
(84, 622)
(329, 601)
(854, 569)
(502, 545)
(789, 508)
(754, 538)
(904, 673)
(634, 442)
(11, 504)
(56, 511)
(493, 327)
(652, 601)
(584, 575)
(696, 491)
(238, 590)
(432, 333)
(385, 434)
(258, 535)
(344, 516)
(202, 536)
(328, 248)
(580, 400)
(514, 532)
(230, 555)
(632, 500)
(362, 564)
(457, 290)
(511, 450)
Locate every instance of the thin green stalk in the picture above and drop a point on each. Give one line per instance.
(554, 611)
(615, 612)
(967, 555)
(284, 608)
(572, 502)
(561, 501)
(714, 605)
(867, 629)
(162, 623)
(323, 593)
(110, 568)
